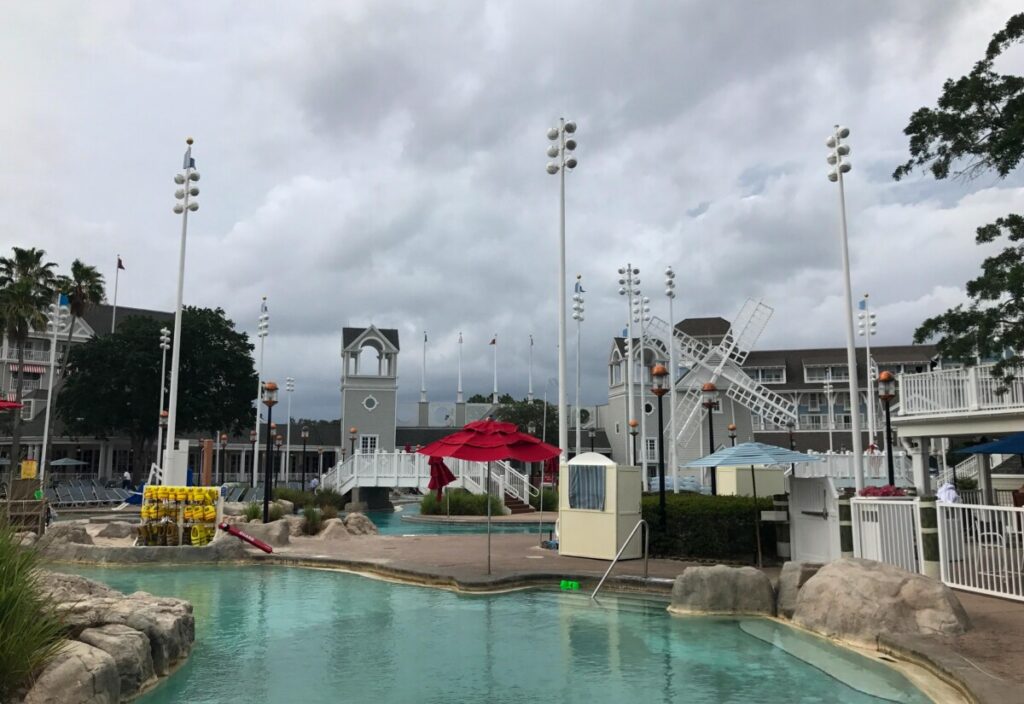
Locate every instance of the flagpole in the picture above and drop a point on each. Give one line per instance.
(117, 275)
(458, 393)
(495, 343)
(529, 388)
(423, 371)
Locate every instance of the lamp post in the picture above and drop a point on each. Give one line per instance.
(352, 439)
(792, 442)
(866, 327)
(269, 398)
(886, 392)
(642, 316)
(221, 469)
(278, 463)
(305, 439)
(262, 330)
(658, 388)
(591, 434)
(183, 208)
(709, 393)
(840, 166)
(830, 400)
(562, 150)
(577, 315)
(670, 293)
(56, 321)
(252, 441)
(289, 386)
(633, 423)
(161, 428)
(629, 286)
(165, 344)
(732, 434)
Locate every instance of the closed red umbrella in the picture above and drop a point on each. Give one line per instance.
(440, 476)
(9, 405)
(488, 441)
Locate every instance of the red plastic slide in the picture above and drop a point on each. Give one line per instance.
(255, 542)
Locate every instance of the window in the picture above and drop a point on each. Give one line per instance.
(651, 449)
(586, 487)
(26, 410)
(369, 403)
(813, 402)
(617, 431)
(767, 375)
(820, 372)
(813, 422)
(367, 444)
(648, 408)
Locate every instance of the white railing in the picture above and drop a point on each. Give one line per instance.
(965, 469)
(875, 467)
(887, 530)
(31, 355)
(1000, 497)
(957, 391)
(980, 549)
(404, 469)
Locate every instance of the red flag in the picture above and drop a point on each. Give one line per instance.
(120, 264)
(494, 341)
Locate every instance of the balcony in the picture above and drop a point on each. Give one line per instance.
(31, 355)
(948, 391)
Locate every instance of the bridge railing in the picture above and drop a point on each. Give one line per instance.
(958, 391)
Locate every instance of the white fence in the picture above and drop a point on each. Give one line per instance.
(888, 530)
(980, 549)
(957, 391)
(840, 466)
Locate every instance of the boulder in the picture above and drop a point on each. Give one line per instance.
(233, 508)
(295, 524)
(66, 532)
(275, 533)
(334, 529)
(130, 650)
(58, 587)
(26, 538)
(79, 673)
(722, 589)
(359, 524)
(791, 579)
(287, 506)
(117, 529)
(857, 600)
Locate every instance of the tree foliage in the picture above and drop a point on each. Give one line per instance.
(524, 412)
(977, 127)
(113, 382)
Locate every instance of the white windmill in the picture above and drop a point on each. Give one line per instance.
(722, 366)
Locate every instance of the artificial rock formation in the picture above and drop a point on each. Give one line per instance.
(858, 600)
(722, 589)
(117, 529)
(334, 529)
(359, 524)
(65, 532)
(118, 644)
(276, 533)
(792, 577)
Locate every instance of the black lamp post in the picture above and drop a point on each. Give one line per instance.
(732, 434)
(269, 400)
(659, 375)
(531, 429)
(710, 394)
(221, 470)
(352, 440)
(163, 430)
(633, 423)
(792, 442)
(305, 439)
(278, 441)
(886, 392)
(591, 434)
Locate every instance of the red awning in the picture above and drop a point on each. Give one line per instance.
(29, 368)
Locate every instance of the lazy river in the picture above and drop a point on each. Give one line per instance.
(278, 634)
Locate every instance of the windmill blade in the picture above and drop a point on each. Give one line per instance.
(745, 330)
(761, 400)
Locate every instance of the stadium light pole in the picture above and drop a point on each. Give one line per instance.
(577, 315)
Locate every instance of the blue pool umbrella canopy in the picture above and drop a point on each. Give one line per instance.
(752, 454)
(67, 462)
(1011, 445)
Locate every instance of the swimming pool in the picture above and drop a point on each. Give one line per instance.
(277, 634)
(391, 523)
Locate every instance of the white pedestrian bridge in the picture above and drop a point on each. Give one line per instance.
(410, 470)
(965, 401)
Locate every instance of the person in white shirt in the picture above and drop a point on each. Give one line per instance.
(126, 480)
(947, 494)
(313, 484)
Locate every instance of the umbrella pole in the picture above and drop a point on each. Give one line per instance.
(757, 516)
(487, 494)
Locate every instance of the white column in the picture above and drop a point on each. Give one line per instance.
(985, 479)
(919, 464)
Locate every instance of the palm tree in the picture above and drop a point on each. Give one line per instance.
(27, 284)
(84, 289)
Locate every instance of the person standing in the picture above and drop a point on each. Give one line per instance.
(126, 480)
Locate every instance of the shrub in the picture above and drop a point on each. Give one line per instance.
(30, 632)
(276, 512)
(297, 497)
(707, 526)
(253, 511)
(883, 491)
(312, 520)
(550, 500)
(966, 483)
(328, 511)
(329, 497)
(459, 502)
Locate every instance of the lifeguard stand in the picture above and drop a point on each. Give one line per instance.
(598, 506)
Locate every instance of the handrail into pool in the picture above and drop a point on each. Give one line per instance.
(647, 542)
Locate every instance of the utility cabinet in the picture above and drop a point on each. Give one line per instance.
(598, 506)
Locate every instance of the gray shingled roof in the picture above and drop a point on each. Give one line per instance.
(704, 327)
(99, 317)
(349, 335)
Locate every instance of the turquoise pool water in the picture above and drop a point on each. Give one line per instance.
(274, 634)
(391, 523)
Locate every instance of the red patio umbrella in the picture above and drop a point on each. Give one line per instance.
(440, 476)
(9, 405)
(487, 441)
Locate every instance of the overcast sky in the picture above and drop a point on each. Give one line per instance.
(384, 162)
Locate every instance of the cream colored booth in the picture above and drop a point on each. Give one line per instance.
(598, 506)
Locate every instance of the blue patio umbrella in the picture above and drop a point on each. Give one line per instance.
(1011, 445)
(753, 454)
